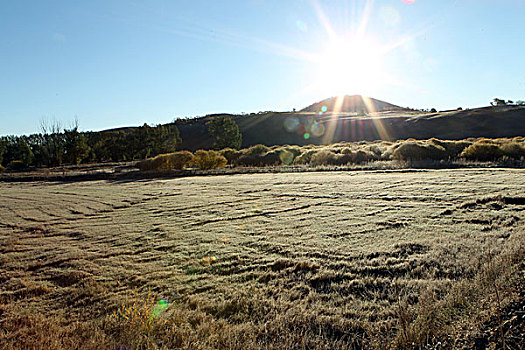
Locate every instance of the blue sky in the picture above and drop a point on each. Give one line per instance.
(117, 63)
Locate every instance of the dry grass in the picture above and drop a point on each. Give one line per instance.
(364, 260)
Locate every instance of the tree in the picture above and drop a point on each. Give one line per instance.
(498, 102)
(52, 142)
(226, 133)
(166, 139)
(3, 148)
(17, 150)
(76, 148)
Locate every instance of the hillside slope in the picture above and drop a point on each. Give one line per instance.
(278, 128)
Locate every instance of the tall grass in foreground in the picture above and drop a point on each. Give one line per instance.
(484, 300)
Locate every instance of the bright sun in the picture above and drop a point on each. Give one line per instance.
(350, 66)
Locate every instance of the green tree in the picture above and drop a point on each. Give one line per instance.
(3, 148)
(76, 148)
(226, 133)
(166, 139)
(17, 150)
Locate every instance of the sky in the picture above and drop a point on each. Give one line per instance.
(122, 63)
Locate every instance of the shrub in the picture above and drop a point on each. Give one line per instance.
(231, 155)
(327, 157)
(156, 163)
(272, 158)
(286, 157)
(343, 159)
(513, 150)
(266, 159)
(178, 160)
(375, 150)
(346, 150)
(250, 160)
(305, 157)
(2, 169)
(287, 154)
(16, 165)
(295, 150)
(206, 160)
(257, 150)
(411, 150)
(361, 156)
(388, 154)
(452, 148)
(323, 157)
(482, 151)
(169, 161)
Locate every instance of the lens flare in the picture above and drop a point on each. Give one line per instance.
(317, 129)
(208, 260)
(159, 309)
(301, 129)
(301, 26)
(291, 123)
(286, 157)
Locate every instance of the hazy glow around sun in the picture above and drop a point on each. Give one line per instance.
(349, 65)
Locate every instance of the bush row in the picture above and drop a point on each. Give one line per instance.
(344, 153)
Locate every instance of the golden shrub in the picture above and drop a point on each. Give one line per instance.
(206, 160)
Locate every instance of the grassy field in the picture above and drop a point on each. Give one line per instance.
(374, 260)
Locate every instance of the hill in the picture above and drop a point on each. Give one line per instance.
(356, 122)
(301, 128)
(352, 104)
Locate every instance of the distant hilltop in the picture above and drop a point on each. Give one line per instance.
(351, 104)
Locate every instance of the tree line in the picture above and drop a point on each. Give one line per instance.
(55, 146)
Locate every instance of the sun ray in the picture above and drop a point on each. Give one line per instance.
(369, 105)
(324, 19)
(331, 127)
(377, 122)
(365, 18)
(402, 41)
